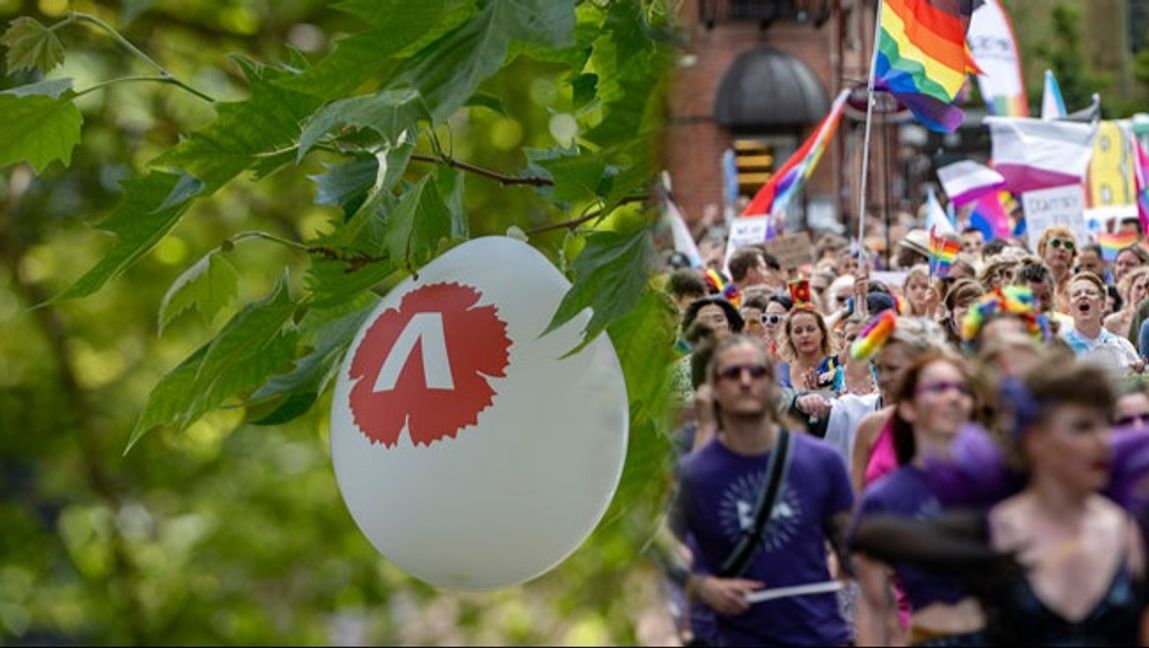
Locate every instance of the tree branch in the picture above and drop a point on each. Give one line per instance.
(127, 44)
(575, 222)
(534, 181)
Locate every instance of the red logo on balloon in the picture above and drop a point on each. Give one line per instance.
(426, 365)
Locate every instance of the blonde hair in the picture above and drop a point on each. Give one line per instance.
(1125, 286)
(920, 271)
(1059, 231)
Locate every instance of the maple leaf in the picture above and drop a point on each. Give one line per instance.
(477, 348)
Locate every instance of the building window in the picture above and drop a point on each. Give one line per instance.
(757, 157)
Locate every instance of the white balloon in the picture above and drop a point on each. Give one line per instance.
(522, 482)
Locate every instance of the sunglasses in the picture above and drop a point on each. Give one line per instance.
(1136, 419)
(942, 387)
(1058, 243)
(734, 372)
(773, 319)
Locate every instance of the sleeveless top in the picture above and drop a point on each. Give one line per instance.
(883, 458)
(1019, 616)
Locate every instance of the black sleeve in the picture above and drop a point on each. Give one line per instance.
(953, 543)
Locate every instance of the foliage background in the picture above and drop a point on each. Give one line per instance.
(214, 530)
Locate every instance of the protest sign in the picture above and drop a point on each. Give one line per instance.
(747, 230)
(1057, 206)
(791, 250)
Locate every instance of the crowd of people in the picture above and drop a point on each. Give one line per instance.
(952, 456)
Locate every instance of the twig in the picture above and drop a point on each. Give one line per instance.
(575, 222)
(127, 44)
(128, 79)
(534, 181)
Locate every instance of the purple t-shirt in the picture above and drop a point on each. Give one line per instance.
(906, 492)
(718, 490)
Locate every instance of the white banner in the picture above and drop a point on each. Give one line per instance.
(745, 230)
(994, 48)
(1057, 206)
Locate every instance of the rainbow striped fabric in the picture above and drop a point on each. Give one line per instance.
(785, 184)
(943, 251)
(1112, 244)
(923, 59)
(1141, 172)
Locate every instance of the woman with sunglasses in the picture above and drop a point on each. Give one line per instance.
(932, 403)
(1057, 248)
(1080, 578)
(777, 306)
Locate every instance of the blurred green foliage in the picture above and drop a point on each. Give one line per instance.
(216, 530)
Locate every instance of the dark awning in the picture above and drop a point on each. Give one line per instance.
(767, 87)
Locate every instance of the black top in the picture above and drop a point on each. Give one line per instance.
(959, 545)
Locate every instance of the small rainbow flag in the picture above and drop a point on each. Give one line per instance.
(1112, 244)
(943, 251)
(718, 283)
(781, 188)
(923, 59)
(874, 336)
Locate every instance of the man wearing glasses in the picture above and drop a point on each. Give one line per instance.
(721, 488)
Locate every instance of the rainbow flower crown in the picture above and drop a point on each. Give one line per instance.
(1017, 301)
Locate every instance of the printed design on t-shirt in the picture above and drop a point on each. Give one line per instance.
(736, 511)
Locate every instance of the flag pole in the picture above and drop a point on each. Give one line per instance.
(869, 131)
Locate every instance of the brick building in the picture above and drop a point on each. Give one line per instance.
(755, 76)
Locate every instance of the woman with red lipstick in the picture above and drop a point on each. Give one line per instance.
(1065, 565)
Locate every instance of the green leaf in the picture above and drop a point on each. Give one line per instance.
(448, 71)
(139, 224)
(328, 332)
(609, 276)
(396, 25)
(48, 88)
(209, 286)
(38, 129)
(644, 341)
(418, 223)
(390, 113)
(449, 182)
(250, 347)
(346, 184)
(336, 278)
(629, 64)
(577, 173)
(31, 46)
(244, 131)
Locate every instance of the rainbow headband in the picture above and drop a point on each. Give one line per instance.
(874, 336)
(1017, 301)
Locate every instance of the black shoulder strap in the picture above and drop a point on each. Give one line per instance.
(748, 543)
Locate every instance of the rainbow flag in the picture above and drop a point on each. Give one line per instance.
(943, 251)
(874, 336)
(923, 59)
(785, 184)
(1112, 244)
